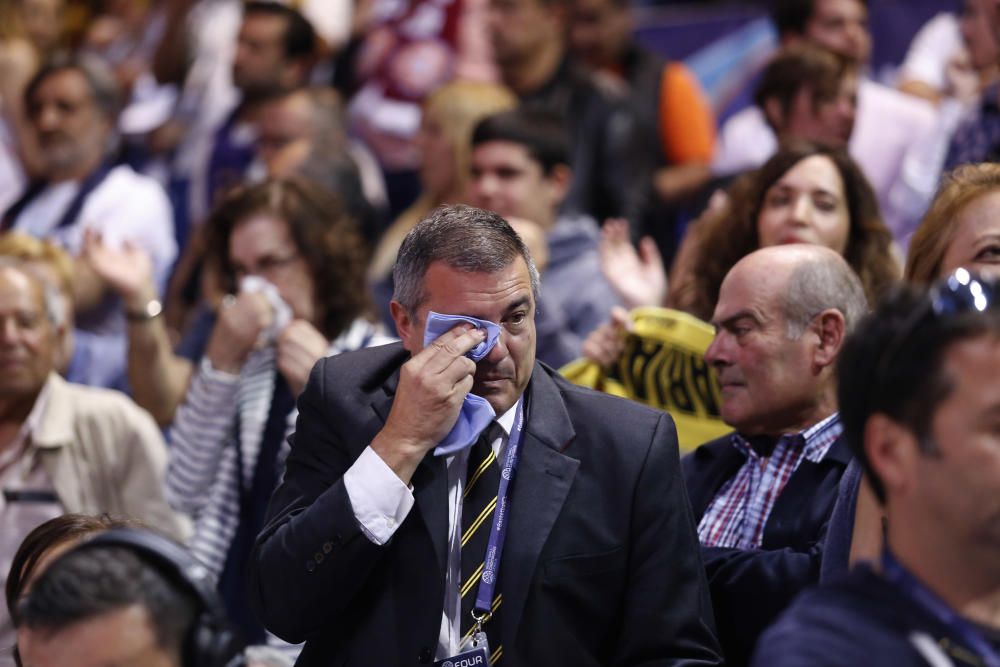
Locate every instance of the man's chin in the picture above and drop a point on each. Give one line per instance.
(501, 394)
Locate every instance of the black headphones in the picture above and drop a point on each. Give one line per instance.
(211, 641)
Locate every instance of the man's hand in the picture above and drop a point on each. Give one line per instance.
(606, 343)
(432, 386)
(241, 320)
(127, 270)
(300, 346)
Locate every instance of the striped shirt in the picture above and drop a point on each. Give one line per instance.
(202, 475)
(737, 515)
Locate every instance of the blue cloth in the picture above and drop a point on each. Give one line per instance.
(476, 413)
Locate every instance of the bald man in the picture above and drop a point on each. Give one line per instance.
(763, 495)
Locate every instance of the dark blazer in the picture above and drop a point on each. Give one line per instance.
(751, 588)
(601, 564)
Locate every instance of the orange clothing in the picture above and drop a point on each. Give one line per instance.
(687, 125)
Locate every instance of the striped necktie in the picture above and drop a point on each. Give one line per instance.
(478, 504)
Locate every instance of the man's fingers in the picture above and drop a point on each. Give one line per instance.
(451, 345)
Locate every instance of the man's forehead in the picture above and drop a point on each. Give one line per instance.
(491, 292)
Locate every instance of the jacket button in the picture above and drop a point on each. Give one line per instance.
(318, 557)
(425, 656)
(327, 547)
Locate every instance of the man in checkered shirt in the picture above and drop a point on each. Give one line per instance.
(763, 494)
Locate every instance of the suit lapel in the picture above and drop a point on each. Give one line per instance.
(543, 480)
(430, 481)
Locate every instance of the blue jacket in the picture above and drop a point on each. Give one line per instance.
(860, 620)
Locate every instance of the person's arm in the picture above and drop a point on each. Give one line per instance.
(668, 614)
(687, 133)
(313, 541)
(158, 378)
(750, 588)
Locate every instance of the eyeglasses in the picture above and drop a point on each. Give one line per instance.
(961, 292)
(266, 266)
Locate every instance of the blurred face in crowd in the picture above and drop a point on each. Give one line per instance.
(599, 31)
(437, 157)
(260, 65)
(284, 132)
(842, 27)
(520, 28)
(119, 637)
(766, 379)
(43, 21)
(262, 245)
(828, 122)
(806, 205)
(504, 297)
(979, 23)
(975, 244)
(72, 131)
(29, 340)
(507, 180)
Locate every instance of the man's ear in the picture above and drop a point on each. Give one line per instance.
(406, 325)
(558, 180)
(830, 329)
(774, 114)
(892, 451)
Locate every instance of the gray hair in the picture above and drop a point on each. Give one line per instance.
(462, 237)
(53, 300)
(104, 89)
(819, 283)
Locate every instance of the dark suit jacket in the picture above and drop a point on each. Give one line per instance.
(751, 588)
(601, 564)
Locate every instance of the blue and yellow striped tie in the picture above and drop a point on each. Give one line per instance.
(478, 504)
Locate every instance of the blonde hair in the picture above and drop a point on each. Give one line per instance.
(25, 248)
(959, 188)
(456, 107)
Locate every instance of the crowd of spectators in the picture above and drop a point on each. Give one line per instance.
(202, 199)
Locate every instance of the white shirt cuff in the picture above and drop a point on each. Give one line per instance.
(380, 499)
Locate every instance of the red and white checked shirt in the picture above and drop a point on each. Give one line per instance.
(737, 515)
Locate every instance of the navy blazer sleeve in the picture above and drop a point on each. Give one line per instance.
(312, 543)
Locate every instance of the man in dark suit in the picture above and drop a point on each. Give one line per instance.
(365, 551)
(763, 495)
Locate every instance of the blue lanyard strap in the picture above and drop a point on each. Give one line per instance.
(958, 628)
(498, 531)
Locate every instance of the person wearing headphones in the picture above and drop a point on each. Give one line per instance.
(125, 596)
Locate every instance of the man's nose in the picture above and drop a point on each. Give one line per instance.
(46, 117)
(713, 351)
(499, 351)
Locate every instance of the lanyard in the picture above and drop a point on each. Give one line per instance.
(957, 627)
(494, 548)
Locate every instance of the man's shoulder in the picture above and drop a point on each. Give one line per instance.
(587, 406)
(365, 369)
(72, 407)
(861, 619)
(125, 178)
(127, 191)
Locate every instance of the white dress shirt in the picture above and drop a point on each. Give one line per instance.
(381, 502)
